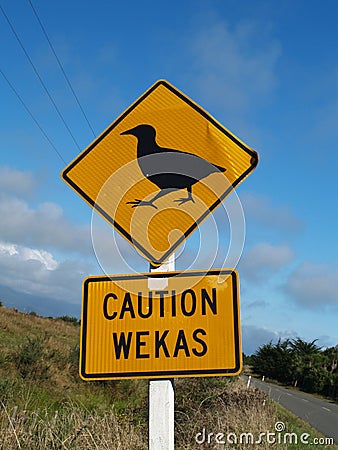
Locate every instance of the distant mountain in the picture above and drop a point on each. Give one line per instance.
(43, 306)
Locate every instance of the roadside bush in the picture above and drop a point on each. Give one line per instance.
(69, 319)
(31, 358)
(300, 363)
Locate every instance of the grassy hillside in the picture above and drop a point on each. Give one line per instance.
(39, 366)
(45, 405)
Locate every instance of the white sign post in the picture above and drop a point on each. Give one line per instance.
(161, 392)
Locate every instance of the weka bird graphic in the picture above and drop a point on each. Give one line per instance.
(168, 168)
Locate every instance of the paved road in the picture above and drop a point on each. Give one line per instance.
(320, 414)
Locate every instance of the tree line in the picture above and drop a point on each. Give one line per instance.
(298, 363)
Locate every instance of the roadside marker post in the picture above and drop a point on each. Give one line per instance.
(161, 392)
(161, 415)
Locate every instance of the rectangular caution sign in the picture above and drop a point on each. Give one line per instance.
(161, 325)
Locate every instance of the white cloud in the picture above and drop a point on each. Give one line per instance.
(15, 181)
(259, 209)
(114, 253)
(43, 226)
(314, 285)
(30, 238)
(265, 259)
(257, 304)
(37, 272)
(253, 337)
(325, 109)
(29, 254)
(236, 65)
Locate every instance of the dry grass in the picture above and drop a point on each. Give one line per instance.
(71, 428)
(201, 404)
(14, 325)
(59, 340)
(206, 408)
(221, 408)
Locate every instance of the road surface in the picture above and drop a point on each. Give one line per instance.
(321, 414)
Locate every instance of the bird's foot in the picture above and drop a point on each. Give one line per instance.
(138, 202)
(180, 201)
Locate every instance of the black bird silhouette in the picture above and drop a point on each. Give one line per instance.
(169, 169)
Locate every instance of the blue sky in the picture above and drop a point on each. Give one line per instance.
(268, 71)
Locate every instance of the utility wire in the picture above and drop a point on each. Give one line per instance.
(31, 114)
(38, 75)
(61, 67)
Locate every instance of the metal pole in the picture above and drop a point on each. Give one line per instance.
(161, 392)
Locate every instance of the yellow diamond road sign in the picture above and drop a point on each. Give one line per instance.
(159, 170)
(191, 327)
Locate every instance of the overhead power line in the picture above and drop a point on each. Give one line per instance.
(61, 67)
(31, 114)
(39, 77)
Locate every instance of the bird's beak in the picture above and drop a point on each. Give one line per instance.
(127, 132)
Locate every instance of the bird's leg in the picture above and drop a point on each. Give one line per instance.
(180, 201)
(161, 193)
(138, 202)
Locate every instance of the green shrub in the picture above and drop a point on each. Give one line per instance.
(31, 358)
(69, 319)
